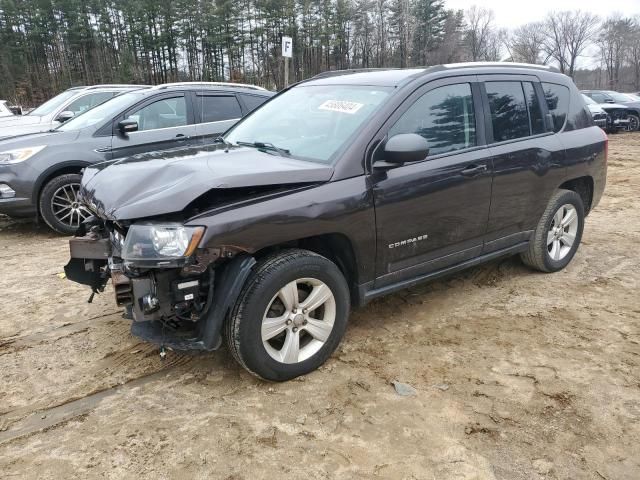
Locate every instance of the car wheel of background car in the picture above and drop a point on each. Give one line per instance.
(290, 316)
(558, 234)
(634, 123)
(59, 205)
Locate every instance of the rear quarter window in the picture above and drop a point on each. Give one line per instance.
(557, 97)
(253, 101)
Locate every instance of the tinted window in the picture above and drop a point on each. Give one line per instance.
(535, 112)
(165, 113)
(557, 97)
(87, 102)
(508, 110)
(218, 108)
(253, 101)
(444, 117)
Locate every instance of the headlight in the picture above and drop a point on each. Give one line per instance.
(160, 241)
(19, 155)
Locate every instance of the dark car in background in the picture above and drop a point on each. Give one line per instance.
(622, 101)
(40, 173)
(60, 109)
(599, 114)
(341, 189)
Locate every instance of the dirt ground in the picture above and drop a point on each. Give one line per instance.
(519, 375)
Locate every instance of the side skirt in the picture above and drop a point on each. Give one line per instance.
(367, 293)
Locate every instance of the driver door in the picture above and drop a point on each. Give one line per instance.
(164, 122)
(433, 214)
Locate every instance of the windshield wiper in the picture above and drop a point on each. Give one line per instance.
(283, 152)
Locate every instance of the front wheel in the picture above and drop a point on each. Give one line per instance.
(59, 204)
(558, 234)
(290, 316)
(634, 123)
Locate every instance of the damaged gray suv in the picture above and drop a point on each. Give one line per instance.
(340, 189)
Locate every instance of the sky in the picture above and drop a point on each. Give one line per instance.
(511, 13)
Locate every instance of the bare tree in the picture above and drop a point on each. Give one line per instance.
(480, 33)
(567, 35)
(525, 44)
(633, 53)
(613, 42)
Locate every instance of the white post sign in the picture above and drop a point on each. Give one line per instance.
(287, 53)
(287, 47)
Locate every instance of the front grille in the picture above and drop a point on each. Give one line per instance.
(617, 114)
(600, 116)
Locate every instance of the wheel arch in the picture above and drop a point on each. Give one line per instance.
(63, 168)
(336, 247)
(583, 186)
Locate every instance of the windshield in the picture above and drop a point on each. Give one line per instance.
(620, 97)
(51, 105)
(310, 122)
(588, 100)
(105, 111)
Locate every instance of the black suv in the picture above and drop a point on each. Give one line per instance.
(41, 172)
(342, 188)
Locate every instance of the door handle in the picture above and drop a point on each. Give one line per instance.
(473, 170)
(181, 136)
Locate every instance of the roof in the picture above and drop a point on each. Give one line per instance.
(396, 77)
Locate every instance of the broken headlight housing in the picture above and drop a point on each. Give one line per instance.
(160, 245)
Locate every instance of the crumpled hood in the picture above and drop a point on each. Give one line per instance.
(166, 182)
(607, 106)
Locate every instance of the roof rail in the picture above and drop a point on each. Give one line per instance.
(211, 84)
(337, 73)
(116, 85)
(548, 68)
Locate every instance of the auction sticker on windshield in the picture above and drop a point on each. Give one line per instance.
(341, 106)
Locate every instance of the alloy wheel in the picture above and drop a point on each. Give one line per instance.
(562, 232)
(298, 320)
(65, 205)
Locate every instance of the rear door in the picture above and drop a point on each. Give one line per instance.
(527, 157)
(433, 214)
(216, 112)
(164, 121)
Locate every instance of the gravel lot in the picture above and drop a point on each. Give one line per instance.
(519, 375)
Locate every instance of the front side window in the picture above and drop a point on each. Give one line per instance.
(165, 113)
(312, 122)
(557, 97)
(253, 101)
(599, 97)
(444, 116)
(508, 110)
(87, 102)
(216, 108)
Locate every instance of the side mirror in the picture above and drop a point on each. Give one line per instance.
(127, 126)
(65, 116)
(404, 148)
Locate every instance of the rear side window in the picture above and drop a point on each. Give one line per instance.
(217, 108)
(253, 101)
(508, 110)
(444, 116)
(557, 97)
(535, 112)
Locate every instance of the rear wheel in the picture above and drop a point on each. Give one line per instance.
(558, 234)
(290, 316)
(634, 123)
(59, 204)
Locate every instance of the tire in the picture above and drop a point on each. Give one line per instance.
(249, 337)
(58, 204)
(549, 248)
(634, 123)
